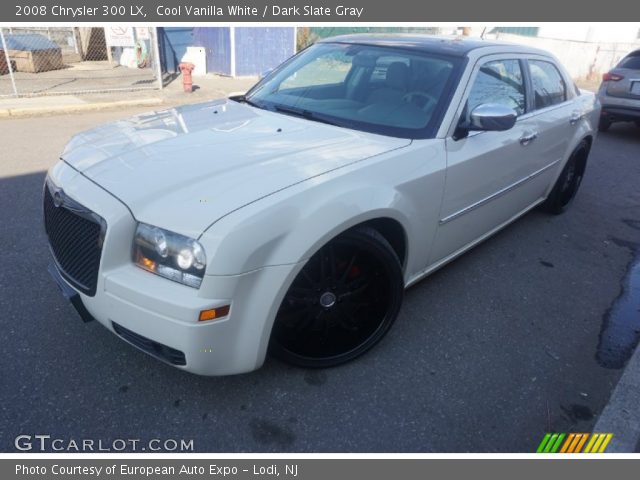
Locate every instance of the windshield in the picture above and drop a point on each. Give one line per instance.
(391, 91)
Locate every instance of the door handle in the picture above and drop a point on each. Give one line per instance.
(527, 139)
(575, 118)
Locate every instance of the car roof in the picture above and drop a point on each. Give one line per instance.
(450, 45)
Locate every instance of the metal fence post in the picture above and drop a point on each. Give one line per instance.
(9, 66)
(75, 40)
(156, 56)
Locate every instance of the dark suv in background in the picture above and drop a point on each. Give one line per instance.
(619, 93)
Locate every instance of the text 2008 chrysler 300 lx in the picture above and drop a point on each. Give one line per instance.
(291, 218)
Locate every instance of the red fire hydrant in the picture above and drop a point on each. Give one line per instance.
(187, 81)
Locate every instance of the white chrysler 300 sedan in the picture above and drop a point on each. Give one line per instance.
(292, 218)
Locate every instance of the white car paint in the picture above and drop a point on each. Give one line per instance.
(242, 152)
(263, 191)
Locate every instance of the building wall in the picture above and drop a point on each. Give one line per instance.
(217, 44)
(591, 33)
(257, 49)
(579, 32)
(173, 43)
(260, 49)
(583, 60)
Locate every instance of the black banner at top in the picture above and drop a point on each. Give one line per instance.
(307, 11)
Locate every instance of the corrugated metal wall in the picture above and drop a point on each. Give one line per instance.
(173, 43)
(217, 42)
(259, 49)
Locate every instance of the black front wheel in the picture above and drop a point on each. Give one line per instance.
(343, 301)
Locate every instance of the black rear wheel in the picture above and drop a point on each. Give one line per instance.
(604, 125)
(341, 304)
(568, 183)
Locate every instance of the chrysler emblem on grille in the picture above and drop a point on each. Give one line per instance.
(58, 198)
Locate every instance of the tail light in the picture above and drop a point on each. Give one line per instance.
(612, 77)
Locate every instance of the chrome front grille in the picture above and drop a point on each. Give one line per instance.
(75, 236)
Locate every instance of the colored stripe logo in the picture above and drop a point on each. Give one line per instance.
(574, 443)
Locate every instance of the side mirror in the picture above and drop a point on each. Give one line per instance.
(492, 117)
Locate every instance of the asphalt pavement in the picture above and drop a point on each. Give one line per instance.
(488, 354)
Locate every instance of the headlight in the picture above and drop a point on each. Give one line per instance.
(170, 255)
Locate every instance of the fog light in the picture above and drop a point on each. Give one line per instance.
(214, 313)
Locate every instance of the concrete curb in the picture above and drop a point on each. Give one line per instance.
(77, 107)
(621, 416)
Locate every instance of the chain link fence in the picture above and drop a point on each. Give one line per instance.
(72, 60)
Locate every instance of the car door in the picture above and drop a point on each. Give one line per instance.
(556, 114)
(490, 175)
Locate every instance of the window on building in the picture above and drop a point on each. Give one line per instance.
(522, 31)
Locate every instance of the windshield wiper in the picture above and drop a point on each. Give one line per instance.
(244, 99)
(307, 114)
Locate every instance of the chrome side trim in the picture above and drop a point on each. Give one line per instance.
(497, 194)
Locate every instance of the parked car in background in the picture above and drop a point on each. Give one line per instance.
(292, 218)
(619, 93)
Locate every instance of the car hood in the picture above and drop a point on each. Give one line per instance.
(185, 168)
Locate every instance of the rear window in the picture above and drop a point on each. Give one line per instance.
(548, 85)
(631, 62)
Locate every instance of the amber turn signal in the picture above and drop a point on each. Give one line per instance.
(147, 263)
(214, 313)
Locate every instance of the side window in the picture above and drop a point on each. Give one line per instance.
(548, 85)
(500, 82)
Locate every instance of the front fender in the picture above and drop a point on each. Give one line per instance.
(291, 225)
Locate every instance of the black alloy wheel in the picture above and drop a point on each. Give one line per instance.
(568, 183)
(343, 301)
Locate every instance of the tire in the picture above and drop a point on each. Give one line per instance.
(604, 125)
(343, 302)
(568, 183)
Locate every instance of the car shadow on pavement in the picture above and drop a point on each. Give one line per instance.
(626, 131)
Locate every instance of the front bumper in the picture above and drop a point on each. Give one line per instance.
(70, 294)
(160, 317)
(162, 312)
